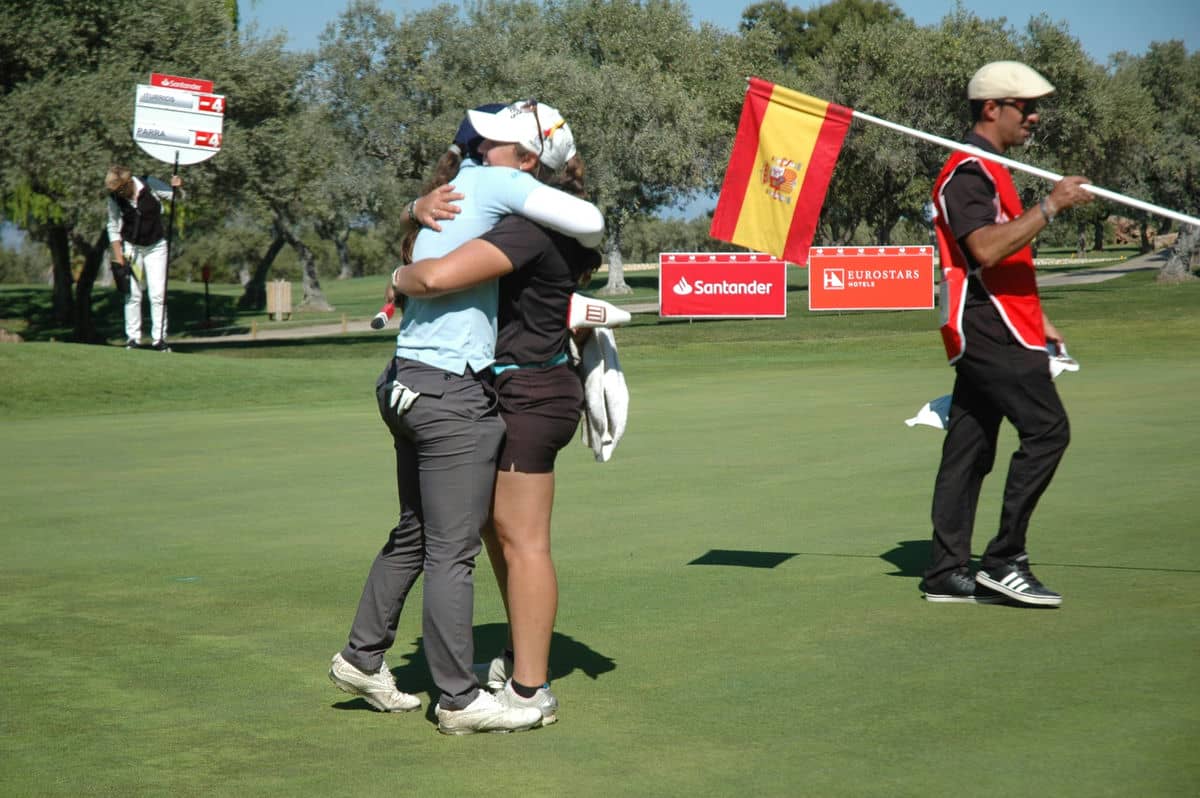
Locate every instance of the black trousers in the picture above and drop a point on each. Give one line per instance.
(997, 378)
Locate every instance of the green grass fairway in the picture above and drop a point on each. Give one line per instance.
(185, 536)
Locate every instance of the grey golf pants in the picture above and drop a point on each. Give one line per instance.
(446, 445)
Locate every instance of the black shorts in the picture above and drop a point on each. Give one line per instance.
(541, 408)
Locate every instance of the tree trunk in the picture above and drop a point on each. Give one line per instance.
(1098, 234)
(841, 227)
(93, 259)
(616, 284)
(1146, 244)
(254, 295)
(1178, 268)
(883, 231)
(348, 268)
(314, 299)
(60, 256)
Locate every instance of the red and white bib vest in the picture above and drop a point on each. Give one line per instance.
(1011, 284)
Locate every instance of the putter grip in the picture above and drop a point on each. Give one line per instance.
(383, 316)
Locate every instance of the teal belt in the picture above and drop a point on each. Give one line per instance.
(557, 360)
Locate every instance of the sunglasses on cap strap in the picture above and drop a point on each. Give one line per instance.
(543, 134)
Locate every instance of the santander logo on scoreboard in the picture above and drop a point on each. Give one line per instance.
(176, 82)
(721, 285)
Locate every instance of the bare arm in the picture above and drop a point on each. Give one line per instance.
(470, 264)
(991, 244)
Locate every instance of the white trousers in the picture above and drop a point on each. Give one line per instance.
(151, 261)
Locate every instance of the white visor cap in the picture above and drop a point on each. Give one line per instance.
(537, 127)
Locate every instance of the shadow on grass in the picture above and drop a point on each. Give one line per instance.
(567, 655)
(743, 559)
(910, 557)
(185, 310)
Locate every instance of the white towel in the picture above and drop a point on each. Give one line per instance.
(605, 394)
(936, 412)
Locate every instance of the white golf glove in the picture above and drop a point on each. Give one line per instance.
(402, 398)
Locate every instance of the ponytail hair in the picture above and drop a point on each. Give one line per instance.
(443, 172)
(445, 169)
(571, 178)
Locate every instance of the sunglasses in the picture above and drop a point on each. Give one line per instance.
(1027, 107)
(532, 105)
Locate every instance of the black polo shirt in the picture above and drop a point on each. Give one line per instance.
(534, 299)
(971, 202)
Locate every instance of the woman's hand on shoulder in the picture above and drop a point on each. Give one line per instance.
(437, 205)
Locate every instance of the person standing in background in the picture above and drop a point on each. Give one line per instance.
(138, 239)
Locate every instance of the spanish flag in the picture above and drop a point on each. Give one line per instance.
(783, 157)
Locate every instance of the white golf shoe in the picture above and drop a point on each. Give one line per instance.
(377, 689)
(494, 674)
(543, 700)
(487, 714)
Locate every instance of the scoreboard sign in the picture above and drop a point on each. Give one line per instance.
(178, 118)
(721, 285)
(870, 278)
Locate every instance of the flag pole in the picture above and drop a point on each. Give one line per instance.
(1022, 167)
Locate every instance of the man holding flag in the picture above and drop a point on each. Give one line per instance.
(995, 333)
(996, 338)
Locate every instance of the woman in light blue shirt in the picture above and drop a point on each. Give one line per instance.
(442, 413)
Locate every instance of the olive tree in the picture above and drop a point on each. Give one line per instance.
(66, 107)
(652, 99)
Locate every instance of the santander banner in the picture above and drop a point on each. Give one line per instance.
(723, 285)
(870, 278)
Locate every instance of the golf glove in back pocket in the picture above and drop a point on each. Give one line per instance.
(401, 398)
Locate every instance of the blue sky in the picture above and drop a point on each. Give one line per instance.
(1103, 26)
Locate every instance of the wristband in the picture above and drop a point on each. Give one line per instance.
(412, 212)
(1045, 211)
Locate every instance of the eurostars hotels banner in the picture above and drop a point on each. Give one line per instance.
(783, 157)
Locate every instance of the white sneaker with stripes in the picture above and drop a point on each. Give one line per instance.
(1015, 580)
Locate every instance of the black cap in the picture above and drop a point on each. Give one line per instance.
(467, 139)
